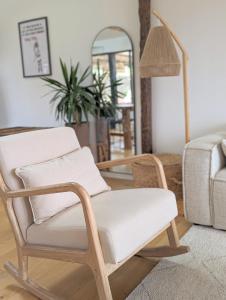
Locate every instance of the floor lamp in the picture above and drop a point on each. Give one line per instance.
(160, 58)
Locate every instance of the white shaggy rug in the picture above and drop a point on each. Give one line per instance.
(198, 275)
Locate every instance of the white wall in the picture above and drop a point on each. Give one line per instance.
(201, 25)
(73, 25)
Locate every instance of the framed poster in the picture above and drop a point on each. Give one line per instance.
(34, 45)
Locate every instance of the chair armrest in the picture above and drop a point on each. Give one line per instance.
(48, 189)
(136, 158)
(92, 232)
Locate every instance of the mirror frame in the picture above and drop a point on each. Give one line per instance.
(133, 75)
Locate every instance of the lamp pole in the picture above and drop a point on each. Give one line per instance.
(186, 99)
(185, 60)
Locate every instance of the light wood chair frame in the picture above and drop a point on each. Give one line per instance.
(93, 256)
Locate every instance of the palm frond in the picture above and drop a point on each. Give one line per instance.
(72, 100)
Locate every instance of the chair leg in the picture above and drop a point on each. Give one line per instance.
(173, 235)
(101, 278)
(22, 265)
(103, 286)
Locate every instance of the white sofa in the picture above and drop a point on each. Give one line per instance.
(204, 176)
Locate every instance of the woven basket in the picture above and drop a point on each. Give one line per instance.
(144, 173)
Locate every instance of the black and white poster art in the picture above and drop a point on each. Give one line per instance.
(34, 44)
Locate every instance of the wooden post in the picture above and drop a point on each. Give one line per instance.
(145, 83)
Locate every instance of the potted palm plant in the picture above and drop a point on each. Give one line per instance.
(105, 108)
(73, 100)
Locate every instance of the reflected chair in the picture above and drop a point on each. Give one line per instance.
(102, 232)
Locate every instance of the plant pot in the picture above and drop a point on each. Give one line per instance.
(102, 138)
(82, 132)
(102, 130)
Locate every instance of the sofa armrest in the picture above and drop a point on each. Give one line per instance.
(203, 158)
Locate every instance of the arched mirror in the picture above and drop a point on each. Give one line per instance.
(113, 75)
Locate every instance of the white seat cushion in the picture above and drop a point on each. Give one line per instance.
(126, 219)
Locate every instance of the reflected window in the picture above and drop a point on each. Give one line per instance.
(123, 67)
(119, 67)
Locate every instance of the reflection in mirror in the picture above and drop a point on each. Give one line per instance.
(112, 67)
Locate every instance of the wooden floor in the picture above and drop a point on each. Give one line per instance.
(73, 281)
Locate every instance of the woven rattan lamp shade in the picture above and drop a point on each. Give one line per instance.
(160, 56)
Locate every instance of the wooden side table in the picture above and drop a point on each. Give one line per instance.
(145, 175)
(15, 130)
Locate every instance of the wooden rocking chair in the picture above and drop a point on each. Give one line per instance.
(132, 223)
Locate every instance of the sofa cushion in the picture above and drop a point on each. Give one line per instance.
(126, 219)
(219, 199)
(77, 166)
(223, 145)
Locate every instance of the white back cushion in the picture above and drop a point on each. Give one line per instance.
(77, 166)
(29, 148)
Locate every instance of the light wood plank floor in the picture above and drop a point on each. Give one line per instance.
(73, 281)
